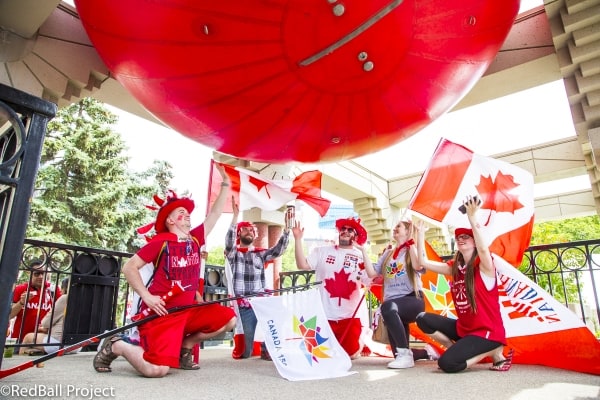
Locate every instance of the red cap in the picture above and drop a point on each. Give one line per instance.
(463, 231)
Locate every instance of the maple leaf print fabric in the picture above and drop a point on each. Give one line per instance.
(507, 211)
(538, 328)
(254, 190)
(339, 270)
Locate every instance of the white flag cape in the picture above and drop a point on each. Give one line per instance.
(298, 337)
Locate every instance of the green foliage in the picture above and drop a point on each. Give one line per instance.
(84, 194)
(216, 256)
(566, 230)
(562, 283)
(288, 258)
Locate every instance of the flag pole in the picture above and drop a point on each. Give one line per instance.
(353, 315)
(97, 338)
(209, 191)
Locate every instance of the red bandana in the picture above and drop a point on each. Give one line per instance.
(250, 248)
(406, 244)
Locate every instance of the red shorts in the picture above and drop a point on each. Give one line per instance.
(347, 332)
(161, 338)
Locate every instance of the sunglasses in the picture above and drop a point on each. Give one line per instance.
(463, 237)
(346, 229)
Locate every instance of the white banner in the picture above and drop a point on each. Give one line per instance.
(298, 336)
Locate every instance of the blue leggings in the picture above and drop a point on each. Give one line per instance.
(455, 357)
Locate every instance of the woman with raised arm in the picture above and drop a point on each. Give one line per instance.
(478, 331)
(402, 295)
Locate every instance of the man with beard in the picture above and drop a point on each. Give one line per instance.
(341, 269)
(247, 265)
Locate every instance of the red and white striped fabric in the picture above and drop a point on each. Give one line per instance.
(253, 190)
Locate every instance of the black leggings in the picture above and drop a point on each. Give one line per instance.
(455, 357)
(398, 313)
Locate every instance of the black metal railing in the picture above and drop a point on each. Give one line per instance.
(570, 272)
(96, 289)
(23, 121)
(101, 296)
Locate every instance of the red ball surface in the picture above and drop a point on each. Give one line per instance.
(297, 80)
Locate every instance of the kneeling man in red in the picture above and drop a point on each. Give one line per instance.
(167, 341)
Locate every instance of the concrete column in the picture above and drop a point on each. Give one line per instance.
(262, 240)
(262, 235)
(266, 237)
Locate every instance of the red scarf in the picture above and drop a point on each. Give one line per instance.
(249, 248)
(406, 244)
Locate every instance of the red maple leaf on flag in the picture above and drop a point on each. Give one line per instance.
(340, 286)
(260, 184)
(496, 193)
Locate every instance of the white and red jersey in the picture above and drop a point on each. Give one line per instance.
(340, 271)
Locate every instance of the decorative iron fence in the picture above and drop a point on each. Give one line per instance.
(570, 272)
(99, 294)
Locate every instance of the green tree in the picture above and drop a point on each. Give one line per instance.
(561, 279)
(84, 195)
(288, 258)
(566, 230)
(216, 256)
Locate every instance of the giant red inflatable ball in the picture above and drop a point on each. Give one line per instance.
(297, 80)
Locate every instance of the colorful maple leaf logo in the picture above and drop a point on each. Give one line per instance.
(340, 286)
(496, 193)
(394, 270)
(439, 297)
(312, 343)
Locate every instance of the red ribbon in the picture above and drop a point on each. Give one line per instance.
(406, 244)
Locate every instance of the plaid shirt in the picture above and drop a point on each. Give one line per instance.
(248, 264)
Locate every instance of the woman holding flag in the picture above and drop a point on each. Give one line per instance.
(478, 331)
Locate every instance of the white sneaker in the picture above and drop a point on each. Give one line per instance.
(404, 359)
(432, 352)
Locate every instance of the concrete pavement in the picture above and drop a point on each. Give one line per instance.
(221, 377)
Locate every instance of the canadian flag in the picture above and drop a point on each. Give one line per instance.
(542, 330)
(253, 190)
(538, 328)
(507, 211)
